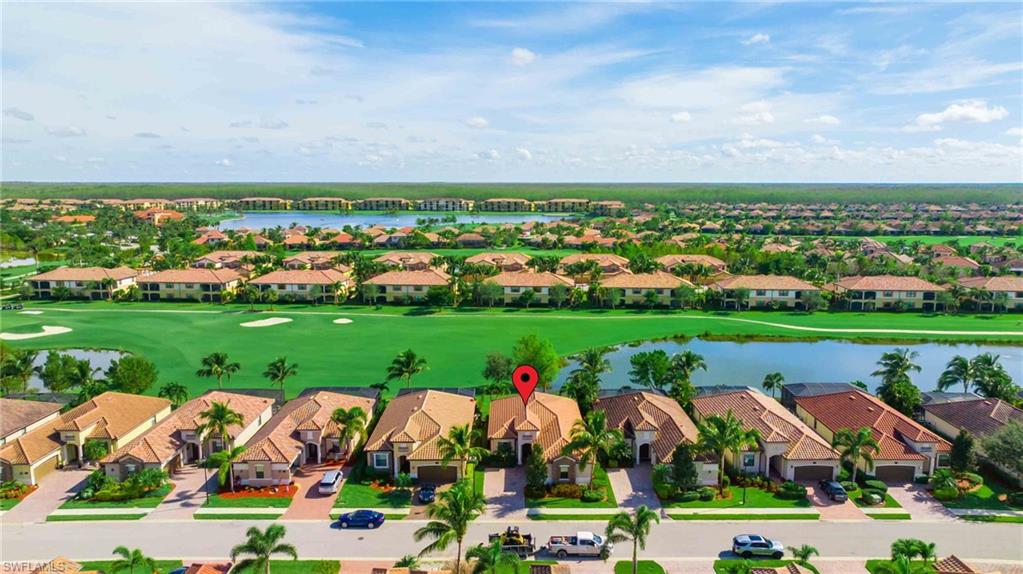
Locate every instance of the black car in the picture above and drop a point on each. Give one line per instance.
(834, 490)
(361, 518)
(427, 493)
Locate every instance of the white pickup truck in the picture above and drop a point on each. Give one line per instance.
(582, 544)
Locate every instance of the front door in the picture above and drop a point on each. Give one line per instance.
(312, 453)
(527, 449)
(70, 454)
(644, 452)
(403, 465)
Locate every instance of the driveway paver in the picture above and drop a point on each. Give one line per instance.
(54, 489)
(308, 503)
(919, 503)
(189, 494)
(634, 487)
(831, 510)
(505, 490)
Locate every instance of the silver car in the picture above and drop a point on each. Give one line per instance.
(750, 545)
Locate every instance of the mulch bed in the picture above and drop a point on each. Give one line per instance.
(264, 492)
(24, 492)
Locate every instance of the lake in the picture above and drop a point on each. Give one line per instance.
(735, 363)
(285, 219)
(99, 358)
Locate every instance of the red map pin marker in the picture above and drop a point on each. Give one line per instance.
(525, 378)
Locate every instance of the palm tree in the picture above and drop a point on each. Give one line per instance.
(261, 546)
(490, 558)
(960, 370)
(222, 462)
(625, 527)
(686, 363)
(458, 445)
(131, 560)
(896, 365)
(804, 553)
(407, 561)
(450, 519)
(279, 370)
(405, 366)
(176, 393)
(216, 421)
(217, 365)
(856, 446)
(772, 382)
(350, 423)
(725, 434)
(593, 362)
(589, 437)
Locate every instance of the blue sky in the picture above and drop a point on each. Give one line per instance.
(878, 92)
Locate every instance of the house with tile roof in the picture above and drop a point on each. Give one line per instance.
(787, 446)
(175, 442)
(301, 433)
(654, 425)
(316, 260)
(83, 282)
(206, 285)
(1006, 287)
(907, 449)
(505, 205)
(978, 416)
(763, 290)
(868, 293)
(669, 262)
(407, 260)
(504, 261)
(407, 286)
(405, 438)
(225, 259)
(609, 263)
(514, 284)
(19, 417)
(112, 418)
(633, 287)
(321, 285)
(541, 427)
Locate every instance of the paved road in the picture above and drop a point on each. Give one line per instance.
(213, 539)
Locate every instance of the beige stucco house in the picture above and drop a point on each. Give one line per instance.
(874, 292)
(763, 290)
(514, 284)
(206, 285)
(411, 286)
(83, 282)
(327, 285)
(542, 427)
(633, 287)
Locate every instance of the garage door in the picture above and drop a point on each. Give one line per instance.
(437, 474)
(44, 468)
(815, 472)
(895, 474)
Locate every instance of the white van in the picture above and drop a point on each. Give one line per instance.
(330, 482)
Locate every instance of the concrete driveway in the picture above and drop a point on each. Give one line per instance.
(54, 489)
(188, 495)
(505, 490)
(831, 510)
(309, 504)
(634, 487)
(919, 503)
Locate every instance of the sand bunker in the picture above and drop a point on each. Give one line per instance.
(267, 322)
(30, 312)
(47, 330)
(342, 321)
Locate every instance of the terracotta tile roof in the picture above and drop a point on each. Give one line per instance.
(85, 274)
(530, 279)
(887, 283)
(1003, 283)
(427, 277)
(783, 282)
(277, 440)
(953, 565)
(979, 416)
(160, 443)
(113, 414)
(670, 261)
(774, 422)
(957, 261)
(655, 280)
(194, 275)
(226, 255)
(301, 277)
(643, 410)
(313, 257)
(551, 416)
(500, 258)
(423, 417)
(856, 409)
(405, 258)
(602, 259)
(17, 414)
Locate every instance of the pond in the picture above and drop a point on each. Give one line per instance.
(99, 358)
(17, 262)
(746, 363)
(337, 221)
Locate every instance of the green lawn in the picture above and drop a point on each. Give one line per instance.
(9, 503)
(151, 501)
(891, 516)
(523, 567)
(883, 567)
(642, 567)
(92, 517)
(455, 343)
(1003, 519)
(725, 566)
(573, 517)
(964, 240)
(600, 480)
(107, 565)
(246, 516)
(985, 497)
(298, 567)
(217, 501)
(745, 516)
(889, 502)
(479, 475)
(755, 498)
(354, 495)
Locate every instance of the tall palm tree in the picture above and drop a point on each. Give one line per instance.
(686, 363)
(593, 362)
(132, 560)
(900, 565)
(856, 446)
(222, 462)
(450, 518)
(625, 527)
(260, 546)
(216, 421)
(490, 558)
(896, 365)
(803, 553)
(589, 437)
(218, 366)
(279, 371)
(457, 445)
(725, 434)
(176, 393)
(350, 423)
(960, 370)
(772, 382)
(405, 366)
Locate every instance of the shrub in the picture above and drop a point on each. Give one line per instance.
(664, 491)
(922, 479)
(792, 491)
(973, 478)
(872, 496)
(844, 475)
(689, 496)
(533, 491)
(876, 485)
(850, 486)
(567, 490)
(706, 493)
(503, 457)
(592, 495)
(13, 489)
(725, 482)
(945, 493)
(1015, 499)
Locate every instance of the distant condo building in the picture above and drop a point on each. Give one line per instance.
(324, 204)
(562, 205)
(384, 204)
(607, 207)
(263, 204)
(445, 204)
(198, 203)
(505, 205)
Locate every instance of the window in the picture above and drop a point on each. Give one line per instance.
(944, 460)
(168, 286)
(189, 285)
(563, 472)
(749, 459)
(783, 293)
(886, 294)
(910, 294)
(417, 288)
(515, 289)
(130, 468)
(637, 291)
(260, 471)
(761, 292)
(379, 460)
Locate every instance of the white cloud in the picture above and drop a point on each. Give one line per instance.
(755, 113)
(825, 119)
(224, 162)
(1014, 132)
(489, 155)
(523, 154)
(147, 135)
(18, 114)
(522, 56)
(976, 111)
(241, 124)
(478, 122)
(272, 124)
(66, 132)
(759, 38)
(681, 117)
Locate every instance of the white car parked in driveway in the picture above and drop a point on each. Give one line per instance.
(330, 482)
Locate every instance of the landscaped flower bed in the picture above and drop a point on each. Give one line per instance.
(261, 492)
(13, 492)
